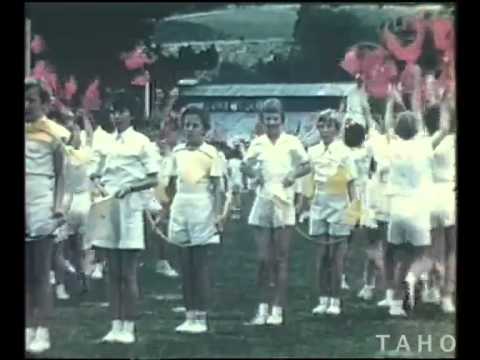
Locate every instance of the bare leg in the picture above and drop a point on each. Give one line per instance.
(29, 306)
(281, 241)
(322, 268)
(186, 266)
(59, 262)
(42, 260)
(450, 261)
(337, 259)
(129, 288)
(202, 280)
(265, 262)
(114, 283)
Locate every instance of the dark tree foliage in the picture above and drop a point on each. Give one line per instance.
(324, 34)
(86, 40)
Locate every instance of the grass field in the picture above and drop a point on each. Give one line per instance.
(77, 325)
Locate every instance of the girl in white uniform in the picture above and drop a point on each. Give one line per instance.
(165, 160)
(194, 222)
(409, 183)
(362, 156)
(44, 190)
(79, 188)
(129, 168)
(331, 159)
(443, 217)
(281, 159)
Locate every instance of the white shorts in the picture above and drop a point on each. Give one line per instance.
(379, 202)
(78, 214)
(328, 215)
(409, 221)
(121, 228)
(192, 220)
(38, 206)
(443, 205)
(266, 213)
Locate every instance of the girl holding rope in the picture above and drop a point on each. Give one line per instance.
(333, 173)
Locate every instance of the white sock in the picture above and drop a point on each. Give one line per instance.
(129, 326)
(117, 325)
(389, 294)
(277, 310)
(263, 309)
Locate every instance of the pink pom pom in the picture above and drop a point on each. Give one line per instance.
(351, 63)
(136, 59)
(38, 44)
(44, 72)
(91, 99)
(70, 88)
(141, 80)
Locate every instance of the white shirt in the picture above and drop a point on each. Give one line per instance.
(410, 167)
(130, 157)
(194, 167)
(326, 160)
(444, 160)
(276, 161)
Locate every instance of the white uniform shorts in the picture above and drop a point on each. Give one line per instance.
(328, 215)
(77, 217)
(409, 221)
(267, 213)
(123, 227)
(192, 220)
(443, 203)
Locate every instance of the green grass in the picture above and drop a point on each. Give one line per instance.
(77, 326)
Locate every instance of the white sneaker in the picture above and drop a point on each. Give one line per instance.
(188, 324)
(61, 292)
(334, 307)
(433, 296)
(411, 282)
(115, 333)
(41, 341)
(396, 308)
(163, 267)
(127, 335)
(276, 317)
(260, 317)
(52, 277)
(97, 273)
(29, 336)
(388, 299)
(448, 305)
(425, 294)
(322, 306)
(366, 293)
(344, 285)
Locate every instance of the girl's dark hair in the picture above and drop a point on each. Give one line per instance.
(354, 135)
(123, 101)
(406, 125)
(44, 93)
(432, 118)
(272, 106)
(201, 113)
(329, 116)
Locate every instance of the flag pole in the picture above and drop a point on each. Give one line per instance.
(28, 53)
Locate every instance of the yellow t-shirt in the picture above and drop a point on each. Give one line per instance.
(193, 168)
(46, 130)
